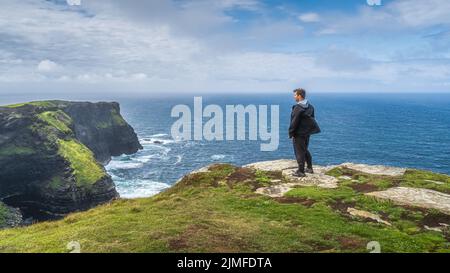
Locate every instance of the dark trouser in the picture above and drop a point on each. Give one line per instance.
(301, 152)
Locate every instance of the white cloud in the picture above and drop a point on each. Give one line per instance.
(47, 66)
(309, 17)
(396, 16)
(74, 2)
(157, 45)
(139, 76)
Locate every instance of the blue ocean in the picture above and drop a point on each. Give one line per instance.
(407, 130)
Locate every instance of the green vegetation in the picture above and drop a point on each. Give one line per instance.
(218, 211)
(85, 168)
(57, 119)
(13, 150)
(117, 118)
(34, 103)
(3, 214)
(427, 180)
(411, 178)
(56, 182)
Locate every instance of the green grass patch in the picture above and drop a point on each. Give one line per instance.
(57, 119)
(411, 178)
(117, 118)
(56, 182)
(262, 178)
(427, 180)
(34, 103)
(3, 214)
(85, 168)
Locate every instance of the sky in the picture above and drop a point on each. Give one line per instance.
(188, 46)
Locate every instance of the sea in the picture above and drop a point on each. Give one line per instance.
(405, 130)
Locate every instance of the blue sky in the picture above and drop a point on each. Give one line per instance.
(139, 46)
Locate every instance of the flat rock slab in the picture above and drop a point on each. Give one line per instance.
(287, 168)
(274, 165)
(319, 179)
(367, 215)
(422, 198)
(276, 190)
(283, 164)
(375, 169)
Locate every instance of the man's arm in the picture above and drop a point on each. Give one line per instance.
(295, 121)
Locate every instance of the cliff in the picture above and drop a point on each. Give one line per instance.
(51, 154)
(261, 207)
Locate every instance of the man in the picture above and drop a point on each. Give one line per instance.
(303, 125)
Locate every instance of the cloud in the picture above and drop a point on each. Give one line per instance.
(309, 17)
(47, 66)
(74, 2)
(396, 16)
(209, 46)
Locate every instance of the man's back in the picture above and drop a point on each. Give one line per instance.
(303, 121)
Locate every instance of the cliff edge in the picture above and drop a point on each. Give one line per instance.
(260, 207)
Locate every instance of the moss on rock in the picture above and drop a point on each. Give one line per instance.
(85, 168)
(57, 119)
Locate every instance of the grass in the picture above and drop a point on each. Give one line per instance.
(57, 119)
(411, 178)
(427, 180)
(117, 118)
(204, 212)
(34, 103)
(85, 168)
(3, 214)
(56, 182)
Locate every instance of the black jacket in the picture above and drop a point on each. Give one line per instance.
(303, 122)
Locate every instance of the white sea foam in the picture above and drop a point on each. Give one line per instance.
(218, 157)
(140, 188)
(145, 158)
(155, 141)
(123, 165)
(159, 135)
(179, 158)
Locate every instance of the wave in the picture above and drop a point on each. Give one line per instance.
(123, 165)
(218, 157)
(138, 188)
(155, 141)
(145, 158)
(159, 135)
(179, 158)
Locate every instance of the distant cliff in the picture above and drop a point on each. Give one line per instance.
(51, 154)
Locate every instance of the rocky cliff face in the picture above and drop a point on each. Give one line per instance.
(51, 154)
(108, 134)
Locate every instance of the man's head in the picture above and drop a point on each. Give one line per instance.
(299, 94)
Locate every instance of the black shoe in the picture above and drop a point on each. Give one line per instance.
(309, 170)
(299, 174)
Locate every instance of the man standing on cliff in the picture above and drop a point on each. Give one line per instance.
(303, 125)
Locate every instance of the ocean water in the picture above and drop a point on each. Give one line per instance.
(397, 130)
(406, 130)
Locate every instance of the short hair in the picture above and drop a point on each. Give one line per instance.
(300, 92)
